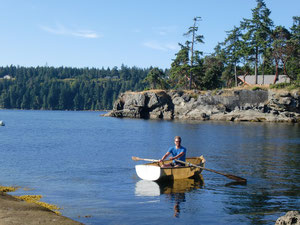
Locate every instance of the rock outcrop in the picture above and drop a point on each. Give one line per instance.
(227, 105)
(290, 218)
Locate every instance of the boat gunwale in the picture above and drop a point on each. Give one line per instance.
(179, 167)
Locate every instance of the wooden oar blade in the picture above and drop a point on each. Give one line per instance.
(238, 179)
(136, 158)
(230, 176)
(139, 159)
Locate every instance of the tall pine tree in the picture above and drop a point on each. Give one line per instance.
(257, 35)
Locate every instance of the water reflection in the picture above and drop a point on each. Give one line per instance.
(174, 190)
(152, 188)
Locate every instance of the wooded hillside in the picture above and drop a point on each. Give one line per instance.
(66, 88)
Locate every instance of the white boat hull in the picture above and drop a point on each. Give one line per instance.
(148, 172)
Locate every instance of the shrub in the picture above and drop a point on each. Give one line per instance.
(256, 88)
(288, 86)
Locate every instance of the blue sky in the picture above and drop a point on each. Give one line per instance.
(98, 33)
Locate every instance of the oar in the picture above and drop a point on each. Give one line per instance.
(230, 176)
(138, 159)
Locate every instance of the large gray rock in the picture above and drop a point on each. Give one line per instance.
(290, 218)
(133, 100)
(285, 101)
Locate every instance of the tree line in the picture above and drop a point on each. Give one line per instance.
(66, 88)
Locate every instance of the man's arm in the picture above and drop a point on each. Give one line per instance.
(177, 156)
(165, 156)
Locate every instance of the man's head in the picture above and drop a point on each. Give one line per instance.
(177, 140)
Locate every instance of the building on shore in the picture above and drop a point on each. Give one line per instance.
(263, 79)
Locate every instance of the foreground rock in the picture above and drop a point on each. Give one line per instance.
(290, 218)
(17, 212)
(224, 105)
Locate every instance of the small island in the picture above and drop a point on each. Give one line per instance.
(255, 105)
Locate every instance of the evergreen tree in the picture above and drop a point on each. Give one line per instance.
(281, 37)
(194, 54)
(213, 68)
(293, 65)
(180, 68)
(233, 47)
(155, 78)
(257, 35)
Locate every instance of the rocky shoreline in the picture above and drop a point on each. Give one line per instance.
(222, 105)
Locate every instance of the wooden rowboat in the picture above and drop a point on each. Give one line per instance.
(153, 171)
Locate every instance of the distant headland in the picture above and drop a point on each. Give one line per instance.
(256, 105)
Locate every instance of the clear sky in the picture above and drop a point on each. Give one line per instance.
(108, 33)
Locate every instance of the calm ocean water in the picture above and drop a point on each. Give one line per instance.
(81, 162)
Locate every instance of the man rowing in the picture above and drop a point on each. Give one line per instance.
(177, 152)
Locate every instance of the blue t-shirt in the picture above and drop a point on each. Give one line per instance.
(175, 151)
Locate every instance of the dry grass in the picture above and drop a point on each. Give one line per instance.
(8, 189)
(36, 199)
(31, 198)
(226, 91)
(156, 91)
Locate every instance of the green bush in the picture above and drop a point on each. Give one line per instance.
(256, 88)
